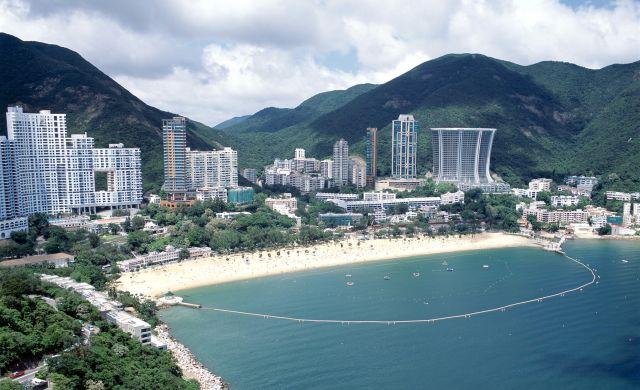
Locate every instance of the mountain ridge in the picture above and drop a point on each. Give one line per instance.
(42, 76)
(542, 112)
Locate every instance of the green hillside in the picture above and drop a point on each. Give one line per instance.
(272, 119)
(552, 118)
(41, 76)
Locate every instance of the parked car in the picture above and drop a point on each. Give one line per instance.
(16, 374)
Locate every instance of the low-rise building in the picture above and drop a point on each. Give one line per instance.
(169, 255)
(231, 214)
(154, 199)
(111, 310)
(575, 191)
(525, 192)
(411, 203)
(287, 212)
(540, 185)
(8, 226)
(137, 328)
(285, 200)
(487, 188)
(210, 193)
(623, 196)
(582, 181)
(564, 200)
(324, 196)
(71, 222)
(560, 217)
(334, 219)
(378, 196)
(240, 195)
(598, 221)
(398, 184)
(452, 197)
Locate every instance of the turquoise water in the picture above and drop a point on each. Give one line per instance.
(586, 340)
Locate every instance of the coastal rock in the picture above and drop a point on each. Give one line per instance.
(190, 366)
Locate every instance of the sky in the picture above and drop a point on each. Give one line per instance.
(213, 60)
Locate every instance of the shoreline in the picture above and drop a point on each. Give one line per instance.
(157, 281)
(190, 366)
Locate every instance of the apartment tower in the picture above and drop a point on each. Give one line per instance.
(174, 139)
(404, 141)
(341, 163)
(372, 155)
(462, 155)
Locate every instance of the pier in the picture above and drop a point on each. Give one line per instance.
(422, 320)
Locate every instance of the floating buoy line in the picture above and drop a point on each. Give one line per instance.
(422, 320)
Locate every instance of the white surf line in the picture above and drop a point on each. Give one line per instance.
(426, 320)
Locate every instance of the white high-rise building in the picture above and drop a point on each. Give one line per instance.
(340, 163)
(462, 155)
(212, 168)
(56, 173)
(299, 154)
(124, 176)
(404, 144)
(326, 168)
(174, 141)
(358, 172)
(627, 218)
(12, 218)
(40, 142)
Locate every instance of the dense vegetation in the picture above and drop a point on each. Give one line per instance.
(552, 118)
(197, 225)
(30, 329)
(91, 252)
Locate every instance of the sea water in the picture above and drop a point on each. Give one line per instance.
(588, 339)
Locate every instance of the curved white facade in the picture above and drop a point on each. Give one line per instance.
(462, 155)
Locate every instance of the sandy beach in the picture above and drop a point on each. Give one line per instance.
(154, 282)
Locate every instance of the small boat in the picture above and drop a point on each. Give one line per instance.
(416, 274)
(445, 263)
(485, 266)
(449, 269)
(348, 275)
(387, 277)
(625, 261)
(349, 283)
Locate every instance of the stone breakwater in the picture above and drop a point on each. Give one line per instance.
(191, 367)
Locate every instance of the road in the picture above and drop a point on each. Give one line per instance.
(29, 374)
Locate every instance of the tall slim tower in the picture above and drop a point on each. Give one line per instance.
(341, 162)
(12, 218)
(174, 138)
(462, 155)
(9, 200)
(404, 141)
(372, 155)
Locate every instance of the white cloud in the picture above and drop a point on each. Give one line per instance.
(247, 76)
(211, 61)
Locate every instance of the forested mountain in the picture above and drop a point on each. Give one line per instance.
(40, 76)
(552, 117)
